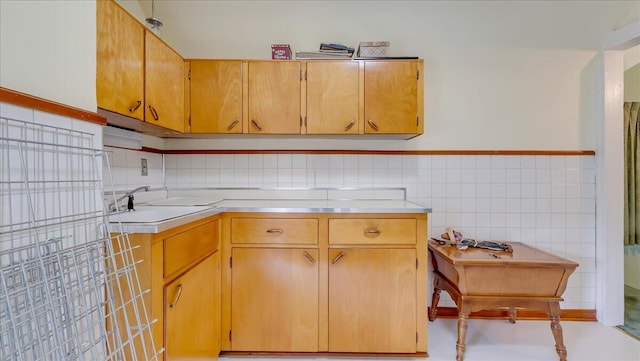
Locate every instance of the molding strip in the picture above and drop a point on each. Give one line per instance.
(376, 152)
(29, 101)
(522, 314)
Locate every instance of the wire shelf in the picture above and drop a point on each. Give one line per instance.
(69, 289)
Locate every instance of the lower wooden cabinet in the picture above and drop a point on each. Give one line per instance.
(343, 283)
(192, 314)
(181, 268)
(274, 305)
(372, 300)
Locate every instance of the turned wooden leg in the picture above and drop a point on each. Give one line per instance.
(463, 315)
(512, 314)
(434, 304)
(556, 329)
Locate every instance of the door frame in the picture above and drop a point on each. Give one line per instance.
(609, 161)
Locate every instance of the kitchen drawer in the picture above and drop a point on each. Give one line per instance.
(372, 231)
(274, 230)
(189, 246)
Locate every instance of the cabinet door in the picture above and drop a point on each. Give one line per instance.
(391, 97)
(192, 311)
(164, 85)
(372, 300)
(274, 97)
(216, 96)
(274, 300)
(120, 61)
(332, 97)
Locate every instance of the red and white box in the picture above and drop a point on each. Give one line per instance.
(280, 51)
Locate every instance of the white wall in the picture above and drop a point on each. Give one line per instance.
(48, 49)
(499, 75)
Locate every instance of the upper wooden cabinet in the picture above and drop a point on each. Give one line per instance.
(393, 97)
(216, 96)
(332, 97)
(274, 97)
(137, 75)
(164, 84)
(120, 61)
(323, 97)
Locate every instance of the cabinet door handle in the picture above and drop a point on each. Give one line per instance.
(255, 124)
(338, 258)
(175, 301)
(154, 114)
(373, 124)
(233, 124)
(308, 257)
(371, 232)
(350, 125)
(135, 106)
(274, 230)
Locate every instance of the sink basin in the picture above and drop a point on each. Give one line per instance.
(186, 201)
(151, 214)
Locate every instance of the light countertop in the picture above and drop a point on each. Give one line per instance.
(190, 206)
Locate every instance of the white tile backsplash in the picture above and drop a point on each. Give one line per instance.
(545, 201)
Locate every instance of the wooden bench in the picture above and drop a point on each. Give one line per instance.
(479, 279)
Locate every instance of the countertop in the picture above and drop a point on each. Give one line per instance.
(119, 223)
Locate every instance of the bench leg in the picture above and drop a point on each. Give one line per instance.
(433, 313)
(556, 329)
(512, 314)
(463, 315)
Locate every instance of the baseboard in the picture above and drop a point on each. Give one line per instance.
(322, 354)
(503, 314)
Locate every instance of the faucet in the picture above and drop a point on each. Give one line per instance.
(113, 206)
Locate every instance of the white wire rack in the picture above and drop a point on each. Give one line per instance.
(69, 290)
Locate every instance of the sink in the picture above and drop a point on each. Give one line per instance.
(186, 201)
(152, 214)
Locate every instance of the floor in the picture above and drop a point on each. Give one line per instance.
(498, 340)
(631, 311)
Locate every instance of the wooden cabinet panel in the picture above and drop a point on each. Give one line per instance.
(120, 61)
(274, 230)
(391, 97)
(274, 303)
(191, 310)
(274, 97)
(332, 97)
(372, 300)
(187, 247)
(216, 96)
(372, 231)
(164, 84)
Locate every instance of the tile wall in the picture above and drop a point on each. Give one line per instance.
(126, 169)
(544, 201)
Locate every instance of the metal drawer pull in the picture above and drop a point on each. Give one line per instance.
(371, 232)
(373, 124)
(175, 301)
(135, 107)
(154, 114)
(233, 124)
(274, 230)
(308, 257)
(338, 258)
(350, 125)
(255, 124)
